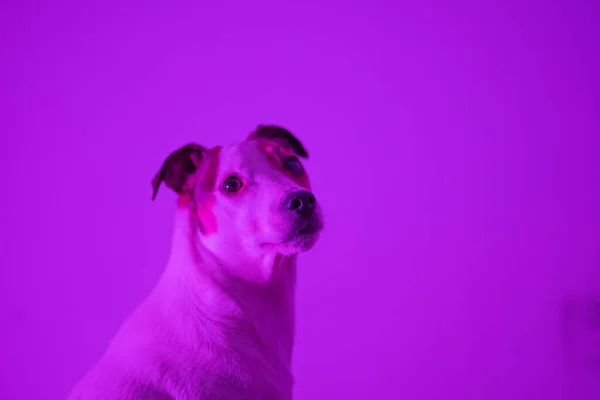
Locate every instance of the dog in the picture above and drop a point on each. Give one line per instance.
(219, 324)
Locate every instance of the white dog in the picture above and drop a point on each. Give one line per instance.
(220, 322)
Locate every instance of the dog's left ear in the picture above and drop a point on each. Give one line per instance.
(178, 168)
(277, 133)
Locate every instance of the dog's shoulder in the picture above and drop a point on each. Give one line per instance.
(151, 374)
(109, 380)
(114, 390)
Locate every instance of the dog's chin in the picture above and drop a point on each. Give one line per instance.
(305, 237)
(299, 239)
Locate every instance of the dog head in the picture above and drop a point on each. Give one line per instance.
(250, 198)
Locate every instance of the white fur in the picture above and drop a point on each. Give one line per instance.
(217, 325)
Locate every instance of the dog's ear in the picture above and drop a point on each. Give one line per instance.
(178, 168)
(277, 133)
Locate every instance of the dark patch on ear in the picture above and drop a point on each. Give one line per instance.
(177, 168)
(273, 132)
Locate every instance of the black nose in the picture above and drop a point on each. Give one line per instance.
(302, 202)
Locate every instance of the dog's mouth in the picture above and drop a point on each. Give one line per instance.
(301, 237)
(304, 235)
(310, 227)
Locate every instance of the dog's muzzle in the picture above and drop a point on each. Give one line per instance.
(302, 209)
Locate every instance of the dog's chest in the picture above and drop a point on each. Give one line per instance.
(229, 373)
(253, 376)
(271, 378)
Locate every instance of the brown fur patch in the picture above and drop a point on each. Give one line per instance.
(276, 154)
(280, 135)
(207, 185)
(178, 168)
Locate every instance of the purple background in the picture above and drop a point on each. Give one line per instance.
(455, 149)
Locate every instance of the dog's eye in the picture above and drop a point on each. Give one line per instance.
(293, 165)
(232, 184)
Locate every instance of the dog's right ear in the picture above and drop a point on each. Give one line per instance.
(178, 168)
(274, 132)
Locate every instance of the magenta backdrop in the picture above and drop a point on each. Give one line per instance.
(455, 149)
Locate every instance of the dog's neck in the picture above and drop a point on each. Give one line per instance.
(262, 312)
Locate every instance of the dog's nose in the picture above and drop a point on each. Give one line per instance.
(303, 202)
